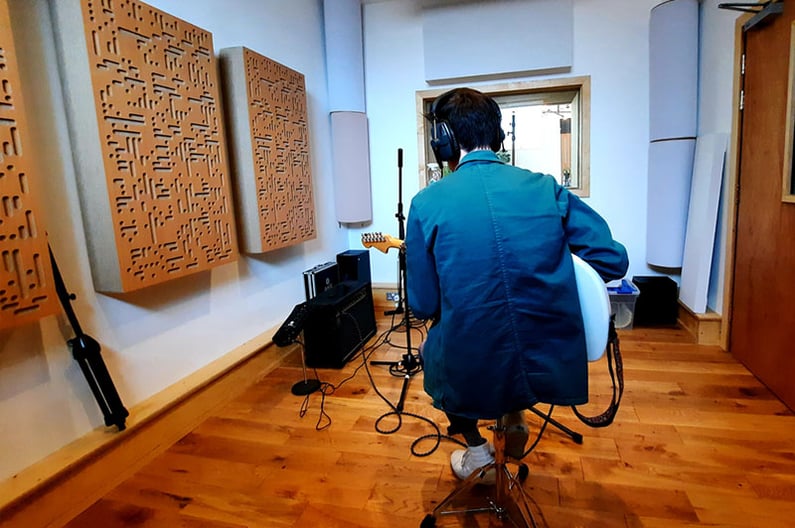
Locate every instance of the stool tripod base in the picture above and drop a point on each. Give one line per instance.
(302, 388)
(513, 507)
(508, 502)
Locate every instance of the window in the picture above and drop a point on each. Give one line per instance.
(546, 126)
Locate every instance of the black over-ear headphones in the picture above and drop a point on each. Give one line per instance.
(443, 142)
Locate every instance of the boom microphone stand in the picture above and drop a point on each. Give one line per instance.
(409, 364)
(401, 306)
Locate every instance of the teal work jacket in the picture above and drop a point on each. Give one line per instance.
(488, 259)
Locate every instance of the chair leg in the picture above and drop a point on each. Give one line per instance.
(465, 485)
(508, 494)
(517, 495)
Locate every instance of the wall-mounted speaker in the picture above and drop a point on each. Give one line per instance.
(350, 144)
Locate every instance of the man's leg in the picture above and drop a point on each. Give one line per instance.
(467, 427)
(478, 453)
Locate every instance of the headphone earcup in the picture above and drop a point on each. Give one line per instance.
(496, 145)
(443, 143)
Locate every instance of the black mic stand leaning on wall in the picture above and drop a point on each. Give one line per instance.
(87, 352)
(409, 364)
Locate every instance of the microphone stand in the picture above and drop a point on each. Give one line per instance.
(513, 139)
(87, 352)
(409, 363)
(400, 308)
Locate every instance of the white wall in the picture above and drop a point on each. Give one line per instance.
(610, 45)
(611, 39)
(153, 338)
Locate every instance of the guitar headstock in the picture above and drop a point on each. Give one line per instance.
(381, 241)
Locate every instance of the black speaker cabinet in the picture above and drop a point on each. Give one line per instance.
(658, 302)
(354, 265)
(340, 322)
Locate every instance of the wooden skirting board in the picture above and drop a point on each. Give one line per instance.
(705, 328)
(380, 301)
(55, 490)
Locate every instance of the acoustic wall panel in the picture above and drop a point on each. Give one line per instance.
(350, 146)
(342, 22)
(670, 167)
(673, 114)
(673, 70)
(349, 134)
(27, 291)
(513, 36)
(702, 219)
(267, 118)
(142, 97)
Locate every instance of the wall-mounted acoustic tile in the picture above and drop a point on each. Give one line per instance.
(27, 291)
(267, 120)
(142, 95)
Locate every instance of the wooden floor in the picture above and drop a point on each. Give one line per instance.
(698, 442)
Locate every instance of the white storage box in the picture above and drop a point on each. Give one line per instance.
(623, 295)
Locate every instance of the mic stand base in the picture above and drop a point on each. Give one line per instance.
(574, 435)
(411, 365)
(302, 388)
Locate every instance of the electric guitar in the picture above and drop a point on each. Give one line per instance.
(594, 299)
(595, 306)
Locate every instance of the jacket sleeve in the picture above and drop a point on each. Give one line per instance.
(590, 237)
(422, 280)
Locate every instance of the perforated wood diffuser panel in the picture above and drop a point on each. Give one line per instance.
(159, 207)
(268, 120)
(27, 292)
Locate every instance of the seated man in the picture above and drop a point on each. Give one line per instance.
(488, 260)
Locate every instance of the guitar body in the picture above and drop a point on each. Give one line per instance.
(595, 305)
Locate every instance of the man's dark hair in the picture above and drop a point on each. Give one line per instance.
(474, 118)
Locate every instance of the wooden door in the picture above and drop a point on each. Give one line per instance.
(762, 333)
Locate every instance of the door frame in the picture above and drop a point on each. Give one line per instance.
(733, 171)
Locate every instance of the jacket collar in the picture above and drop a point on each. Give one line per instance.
(481, 156)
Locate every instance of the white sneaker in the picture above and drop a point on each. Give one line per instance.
(466, 461)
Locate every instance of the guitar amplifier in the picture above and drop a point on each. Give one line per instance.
(340, 321)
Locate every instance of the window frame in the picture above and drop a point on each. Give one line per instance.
(581, 84)
(788, 176)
